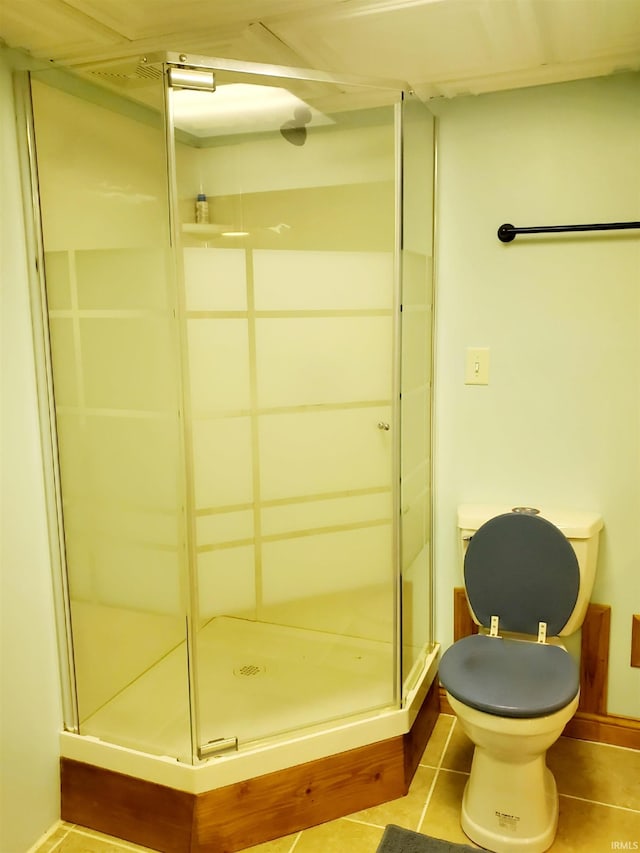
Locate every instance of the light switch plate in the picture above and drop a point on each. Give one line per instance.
(476, 371)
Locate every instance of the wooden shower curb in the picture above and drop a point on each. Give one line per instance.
(250, 812)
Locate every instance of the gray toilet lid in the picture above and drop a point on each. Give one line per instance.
(509, 678)
(522, 569)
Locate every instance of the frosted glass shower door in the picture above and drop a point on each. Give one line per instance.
(289, 326)
(112, 331)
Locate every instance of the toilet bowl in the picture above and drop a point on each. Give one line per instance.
(513, 686)
(510, 802)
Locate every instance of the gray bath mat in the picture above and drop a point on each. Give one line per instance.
(399, 840)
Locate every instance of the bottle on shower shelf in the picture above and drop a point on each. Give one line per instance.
(202, 209)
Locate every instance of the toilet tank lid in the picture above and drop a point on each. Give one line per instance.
(575, 524)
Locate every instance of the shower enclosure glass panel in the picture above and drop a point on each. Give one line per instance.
(418, 156)
(110, 297)
(290, 328)
(241, 403)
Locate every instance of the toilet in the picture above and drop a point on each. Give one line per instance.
(528, 576)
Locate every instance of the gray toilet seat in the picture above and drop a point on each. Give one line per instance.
(509, 678)
(522, 569)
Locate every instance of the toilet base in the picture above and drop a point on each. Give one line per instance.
(510, 807)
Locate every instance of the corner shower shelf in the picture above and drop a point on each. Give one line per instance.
(206, 230)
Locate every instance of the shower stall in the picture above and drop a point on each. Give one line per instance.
(237, 403)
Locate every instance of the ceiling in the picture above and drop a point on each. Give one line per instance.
(443, 48)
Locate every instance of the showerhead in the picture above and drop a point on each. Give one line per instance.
(294, 130)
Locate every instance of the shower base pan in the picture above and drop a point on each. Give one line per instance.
(255, 680)
(244, 798)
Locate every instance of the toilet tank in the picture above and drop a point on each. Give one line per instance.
(582, 529)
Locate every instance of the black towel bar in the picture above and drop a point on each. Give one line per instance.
(507, 233)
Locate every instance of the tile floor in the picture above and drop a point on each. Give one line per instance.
(599, 789)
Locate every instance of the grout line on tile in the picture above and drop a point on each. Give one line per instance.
(59, 842)
(446, 769)
(435, 777)
(428, 799)
(295, 842)
(459, 772)
(597, 744)
(599, 803)
(444, 748)
(365, 822)
(116, 842)
(446, 743)
(45, 838)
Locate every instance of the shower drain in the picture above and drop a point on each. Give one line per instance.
(249, 669)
